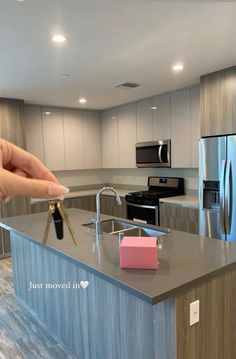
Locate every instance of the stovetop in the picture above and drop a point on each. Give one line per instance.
(159, 187)
(148, 197)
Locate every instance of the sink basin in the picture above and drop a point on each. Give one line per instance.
(121, 229)
(142, 232)
(111, 225)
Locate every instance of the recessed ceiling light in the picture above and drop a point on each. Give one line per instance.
(153, 108)
(82, 100)
(19, 0)
(59, 38)
(47, 113)
(177, 67)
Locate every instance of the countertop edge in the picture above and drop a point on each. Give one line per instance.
(150, 300)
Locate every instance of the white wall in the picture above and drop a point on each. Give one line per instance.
(135, 176)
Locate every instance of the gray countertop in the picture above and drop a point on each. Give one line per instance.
(184, 201)
(184, 258)
(83, 193)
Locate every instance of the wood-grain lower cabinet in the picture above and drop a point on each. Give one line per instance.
(178, 217)
(109, 206)
(86, 203)
(39, 207)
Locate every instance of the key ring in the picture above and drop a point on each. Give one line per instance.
(57, 212)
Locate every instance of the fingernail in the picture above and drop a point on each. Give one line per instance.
(57, 190)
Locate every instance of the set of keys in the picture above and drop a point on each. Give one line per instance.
(57, 213)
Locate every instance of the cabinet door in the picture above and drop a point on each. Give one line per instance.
(92, 139)
(33, 131)
(195, 125)
(180, 129)
(109, 206)
(110, 157)
(87, 203)
(73, 136)
(39, 207)
(179, 218)
(218, 103)
(127, 136)
(53, 139)
(144, 121)
(161, 117)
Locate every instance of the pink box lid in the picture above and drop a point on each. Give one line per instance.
(139, 241)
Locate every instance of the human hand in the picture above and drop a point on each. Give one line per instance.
(22, 174)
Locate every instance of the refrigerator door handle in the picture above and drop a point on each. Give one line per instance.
(228, 198)
(222, 197)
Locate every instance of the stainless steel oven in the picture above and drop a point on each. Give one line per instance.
(153, 154)
(144, 205)
(143, 213)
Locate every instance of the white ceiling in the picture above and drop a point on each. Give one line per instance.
(110, 42)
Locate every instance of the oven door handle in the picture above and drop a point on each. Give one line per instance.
(140, 205)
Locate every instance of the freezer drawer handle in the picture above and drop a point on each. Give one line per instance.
(159, 154)
(228, 198)
(222, 197)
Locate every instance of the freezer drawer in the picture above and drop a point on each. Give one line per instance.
(209, 224)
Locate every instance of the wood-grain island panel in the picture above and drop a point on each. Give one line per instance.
(101, 321)
(214, 336)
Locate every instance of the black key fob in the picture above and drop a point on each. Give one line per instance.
(58, 222)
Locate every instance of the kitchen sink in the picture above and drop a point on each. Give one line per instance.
(122, 228)
(110, 225)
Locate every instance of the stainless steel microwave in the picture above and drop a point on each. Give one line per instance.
(153, 154)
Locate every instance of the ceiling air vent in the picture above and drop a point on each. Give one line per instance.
(128, 85)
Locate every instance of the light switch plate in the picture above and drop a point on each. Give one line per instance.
(194, 312)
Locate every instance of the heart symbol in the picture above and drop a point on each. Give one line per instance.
(84, 283)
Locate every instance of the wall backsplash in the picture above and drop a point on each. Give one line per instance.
(134, 176)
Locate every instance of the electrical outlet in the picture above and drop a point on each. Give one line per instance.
(194, 312)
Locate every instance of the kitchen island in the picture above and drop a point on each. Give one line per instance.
(104, 312)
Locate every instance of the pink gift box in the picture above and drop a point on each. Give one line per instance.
(139, 252)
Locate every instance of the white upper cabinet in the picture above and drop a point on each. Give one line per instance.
(92, 139)
(195, 125)
(73, 137)
(144, 121)
(33, 131)
(161, 117)
(127, 135)
(109, 138)
(53, 139)
(180, 129)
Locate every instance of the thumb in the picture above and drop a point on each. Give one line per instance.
(14, 185)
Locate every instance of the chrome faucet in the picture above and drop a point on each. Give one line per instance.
(98, 220)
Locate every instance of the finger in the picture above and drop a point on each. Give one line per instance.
(18, 158)
(20, 172)
(14, 185)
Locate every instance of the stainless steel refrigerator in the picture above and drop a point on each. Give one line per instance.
(217, 188)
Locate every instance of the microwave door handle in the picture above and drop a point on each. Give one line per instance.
(228, 198)
(222, 197)
(159, 153)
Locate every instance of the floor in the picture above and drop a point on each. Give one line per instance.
(21, 335)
